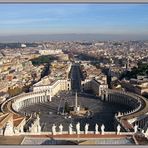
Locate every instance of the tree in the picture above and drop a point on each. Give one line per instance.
(14, 91)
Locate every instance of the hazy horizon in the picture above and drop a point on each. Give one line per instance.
(31, 22)
(70, 37)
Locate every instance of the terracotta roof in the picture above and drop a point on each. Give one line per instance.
(4, 119)
(126, 124)
(3, 116)
(16, 116)
(141, 140)
(11, 140)
(18, 121)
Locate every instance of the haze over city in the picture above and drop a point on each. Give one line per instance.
(73, 74)
(30, 22)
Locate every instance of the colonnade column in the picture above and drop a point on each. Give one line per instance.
(102, 97)
(50, 98)
(35, 100)
(106, 96)
(40, 99)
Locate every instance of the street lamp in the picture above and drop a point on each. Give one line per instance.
(59, 105)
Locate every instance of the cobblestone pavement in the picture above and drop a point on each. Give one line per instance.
(102, 112)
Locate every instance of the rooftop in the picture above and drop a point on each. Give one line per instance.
(11, 140)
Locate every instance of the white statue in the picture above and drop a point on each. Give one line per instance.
(22, 129)
(119, 113)
(37, 116)
(16, 131)
(146, 133)
(102, 129)
(118, 129)
(38, 128)
(8, 131)
(29, 129)
(78, 128)
(70, 128)
(53, 129)
(96, 129)
(38, 123)
(135, 128)
(61, 128)
(86, 128)
(142, 131)
(34, 129)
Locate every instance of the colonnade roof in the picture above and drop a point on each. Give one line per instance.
(144, 102)
(143, 110)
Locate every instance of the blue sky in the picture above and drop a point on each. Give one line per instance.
(25, 19)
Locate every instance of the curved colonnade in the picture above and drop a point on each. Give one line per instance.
(29, 99)
(139, 106)
(40, 94)
(24, 100)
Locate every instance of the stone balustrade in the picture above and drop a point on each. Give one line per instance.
(57, 131)
(138, 104)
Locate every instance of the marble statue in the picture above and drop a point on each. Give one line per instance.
(70, 128)
(38, 118)
(60, 129)
(118, 129)
(146, 132)
(86, 128)
(119, 113)
(96, 129)
(21, 129)
(135, 128)
(78, 128)
(16, 131)
(102, 129)
(38, 123)
(34, 129)
(8, 131)
(38, 128)
(53, 129)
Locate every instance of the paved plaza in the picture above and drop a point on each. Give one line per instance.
(101, 112)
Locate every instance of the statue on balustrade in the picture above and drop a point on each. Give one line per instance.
(70, 129)
(102, 129)
(118, 129)
(135, 128)
(53, 129)
(96, 129)
(8, 130)
(38, 128)
(86, 128)
(78, 128)
(61, 128)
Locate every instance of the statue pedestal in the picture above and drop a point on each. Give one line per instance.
(77, 109)
(96, 132)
